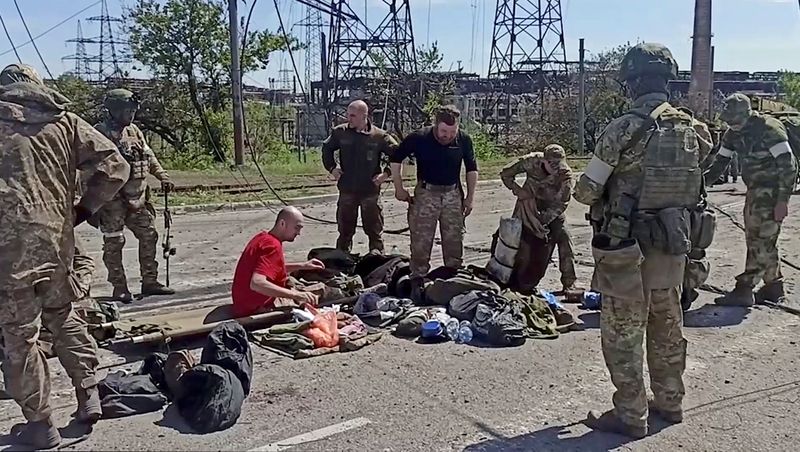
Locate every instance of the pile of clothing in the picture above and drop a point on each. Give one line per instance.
(495, 315)
(208, 394)
(316, 333)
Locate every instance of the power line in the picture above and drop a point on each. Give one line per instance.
(25, 24)
(49, 29)
(13, 47)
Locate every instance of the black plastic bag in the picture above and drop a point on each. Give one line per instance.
(228, 348)
(212, 398)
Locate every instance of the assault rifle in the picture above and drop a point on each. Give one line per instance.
(167, 248)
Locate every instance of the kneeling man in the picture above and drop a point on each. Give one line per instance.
(260, 281)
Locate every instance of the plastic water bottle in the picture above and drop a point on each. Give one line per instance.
(465, 332)
(551, 299)
(592, 300)
(453, 329)
(382, 304)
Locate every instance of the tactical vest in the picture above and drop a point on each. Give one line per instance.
(671, 174)
(131, 145)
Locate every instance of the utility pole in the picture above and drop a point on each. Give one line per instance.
(581, 98)
(711, 87)
(236, 85)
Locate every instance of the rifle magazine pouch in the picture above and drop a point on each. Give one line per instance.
(704, 225)
(618, 269)
(675, 224)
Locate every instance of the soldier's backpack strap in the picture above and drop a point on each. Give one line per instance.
(649, 120)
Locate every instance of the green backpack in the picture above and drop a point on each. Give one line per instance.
(791, 120)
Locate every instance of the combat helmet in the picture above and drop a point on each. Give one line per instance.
(648, 58)
(119, 99)
(20, 73)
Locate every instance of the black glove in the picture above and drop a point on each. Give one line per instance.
(81, 214)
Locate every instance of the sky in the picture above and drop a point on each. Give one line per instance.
(749, 35)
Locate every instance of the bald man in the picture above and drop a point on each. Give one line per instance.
(259, 283)
(361, 170)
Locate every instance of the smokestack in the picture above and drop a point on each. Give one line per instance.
(699, 89)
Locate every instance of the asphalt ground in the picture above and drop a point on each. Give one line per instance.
(741, 377)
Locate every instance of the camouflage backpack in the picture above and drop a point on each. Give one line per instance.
(790, 120)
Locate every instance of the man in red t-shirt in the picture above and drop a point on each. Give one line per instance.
(259, 283)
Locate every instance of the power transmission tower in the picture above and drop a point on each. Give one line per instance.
(312, 22)
(111, 51)
(82, 69)
(528, 55)
(384, 57)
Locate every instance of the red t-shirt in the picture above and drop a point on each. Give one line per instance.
(263, 255)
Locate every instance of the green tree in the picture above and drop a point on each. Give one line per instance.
(790, 86)
(429, 59)
(187, 41)
(605, 96)
(85, 99)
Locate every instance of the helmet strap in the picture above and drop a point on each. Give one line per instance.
(647, 84)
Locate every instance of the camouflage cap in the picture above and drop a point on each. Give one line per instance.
(648, 58)
(120, 98)
(737, 108)
(554, 152)
(14, 73)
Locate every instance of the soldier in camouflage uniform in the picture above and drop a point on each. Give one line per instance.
(769, 170)
(548, 184)
(41, 147)
(440, 152)
(131, 207)
(645, 174)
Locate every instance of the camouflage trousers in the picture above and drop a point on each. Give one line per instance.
(534, 256)
(638, 303)
(23, 313)
(371, 219)
(112, 218)
(436, 205)
(732, 170)
(761, 236)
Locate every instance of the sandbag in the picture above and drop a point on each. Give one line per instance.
(509, 235)
(228, 348)
(212, 398)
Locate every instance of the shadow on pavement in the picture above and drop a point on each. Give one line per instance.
(172, 419)
(591, 320)
(706, 316)
(552, 439)
(710, 315)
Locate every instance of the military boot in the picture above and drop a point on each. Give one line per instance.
(156, 288)
(610, 423)
(122, 294)
(417, 291)
(673, 417)
(771, 291)
(741, 296)
(40, 434)
(89, 410)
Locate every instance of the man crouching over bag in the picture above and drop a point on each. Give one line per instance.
(645, 171)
